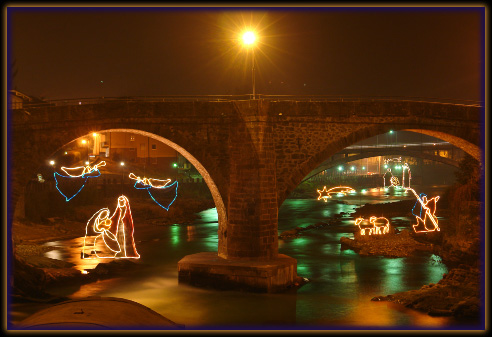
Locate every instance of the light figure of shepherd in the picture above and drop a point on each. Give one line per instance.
(159, 190)
(73, 180)
(110, 237)
(324, 194)
(427, 209)
(374, 225)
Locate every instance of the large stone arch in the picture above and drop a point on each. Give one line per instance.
(30, 161)
(332, 147)
(414, 154)
(214, 190)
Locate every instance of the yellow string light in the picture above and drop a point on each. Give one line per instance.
(375, 225)
(428, 206)
(152, 182)
(81, 170)
(107, 237)
(343, 190)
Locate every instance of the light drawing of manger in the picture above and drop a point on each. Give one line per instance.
(73, 180)
(324, 194)
(375, 225)
(427, 208)
(159, 190)
(110, 237)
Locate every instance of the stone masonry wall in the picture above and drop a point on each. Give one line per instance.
(252, 154)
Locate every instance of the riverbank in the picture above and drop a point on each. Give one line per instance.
(457, 294)
(33, 271)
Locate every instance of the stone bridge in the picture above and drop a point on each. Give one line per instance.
(251, 154)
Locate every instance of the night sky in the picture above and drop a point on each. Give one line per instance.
(93, 52)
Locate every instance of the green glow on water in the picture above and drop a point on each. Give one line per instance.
(175, 239)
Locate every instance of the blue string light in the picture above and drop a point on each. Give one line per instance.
(141, 186)
(85, 176)
(421, 196)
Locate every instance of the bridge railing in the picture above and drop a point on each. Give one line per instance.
(226, 98)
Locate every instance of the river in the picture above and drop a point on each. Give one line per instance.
(337, 296)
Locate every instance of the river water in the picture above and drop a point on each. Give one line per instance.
(337, 296)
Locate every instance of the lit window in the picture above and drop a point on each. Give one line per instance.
(132, 138)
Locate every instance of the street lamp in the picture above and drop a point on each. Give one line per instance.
(249, 38)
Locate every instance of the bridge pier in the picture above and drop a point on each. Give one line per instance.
(247, 258)
(251, 153)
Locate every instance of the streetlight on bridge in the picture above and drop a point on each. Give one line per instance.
(249, 39)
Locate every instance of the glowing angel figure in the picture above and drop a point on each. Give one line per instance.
(111, 237)
(338, 190)
(427, 207)
(159, 190)
(70, 184)
(375, 225)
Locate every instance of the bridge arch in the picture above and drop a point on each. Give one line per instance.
(386, 152)
(58, 143)
(330, 148)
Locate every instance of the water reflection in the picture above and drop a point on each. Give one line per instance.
(338, 294)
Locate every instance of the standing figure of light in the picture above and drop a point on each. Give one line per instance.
(409, 176)
(122, 227)
(424, 211)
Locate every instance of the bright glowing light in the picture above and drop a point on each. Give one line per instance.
(159, 190)
(83, 141)
(340, 168)
(394, 181)
(352, 168)
(52, 162)
(107, 237)
(175, 164)
(150, 181)
(94, 134)
(324, 194)
(409, 173)
(391, 131)
(429, 222)
(396, 160)
(122, 163)
(73, 182)
(375, 225)
(80, 171)
(363, 167)
(249, 38)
